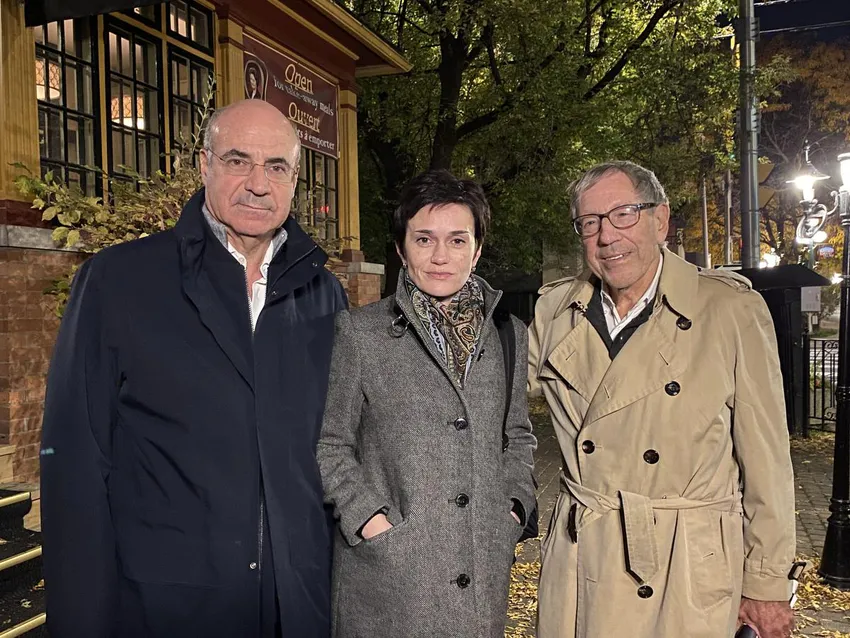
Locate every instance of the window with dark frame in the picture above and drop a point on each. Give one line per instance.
(148, 14)
(316, 196)
(65, 76)
(191, 22)
(133, 76)
(189, 87)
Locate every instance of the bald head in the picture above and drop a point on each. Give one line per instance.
(247, 111)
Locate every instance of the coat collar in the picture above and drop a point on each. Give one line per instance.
(408, 319)
(658, 350)
(215, 282)
(677, 287)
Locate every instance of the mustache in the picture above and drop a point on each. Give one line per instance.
(255, 202)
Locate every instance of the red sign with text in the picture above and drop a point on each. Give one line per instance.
(307, 99)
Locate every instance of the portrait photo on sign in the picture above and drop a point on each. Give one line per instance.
(256, 79)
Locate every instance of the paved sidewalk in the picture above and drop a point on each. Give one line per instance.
(813, 477)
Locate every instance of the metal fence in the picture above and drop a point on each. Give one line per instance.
(822, 355)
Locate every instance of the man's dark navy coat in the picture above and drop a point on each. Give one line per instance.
(178, 453)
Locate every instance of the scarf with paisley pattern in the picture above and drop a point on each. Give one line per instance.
(454, 326)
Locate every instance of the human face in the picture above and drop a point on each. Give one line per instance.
(625, 259)
(252, 81)
(440, 250)
(250, 206)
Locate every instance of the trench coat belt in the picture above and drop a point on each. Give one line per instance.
(638, 518)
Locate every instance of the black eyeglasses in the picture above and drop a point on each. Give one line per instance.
(278, 172)
(624, 216)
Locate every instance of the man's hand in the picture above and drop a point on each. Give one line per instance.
(771, 619)
(376, 525)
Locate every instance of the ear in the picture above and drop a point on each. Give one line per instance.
(400, 254)
(205, 166)
(662, 222)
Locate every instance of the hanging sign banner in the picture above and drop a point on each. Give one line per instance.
(304, 97)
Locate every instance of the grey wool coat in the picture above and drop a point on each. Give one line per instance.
(399, 435)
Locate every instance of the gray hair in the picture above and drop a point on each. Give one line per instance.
(644, 181)
(211, 129)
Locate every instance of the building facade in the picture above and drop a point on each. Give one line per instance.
(117, 95)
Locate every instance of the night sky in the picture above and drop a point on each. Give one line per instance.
(798, 14)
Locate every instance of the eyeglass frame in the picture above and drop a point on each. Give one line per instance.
(640, 207)
(289, 180)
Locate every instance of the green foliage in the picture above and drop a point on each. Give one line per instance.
(525, 95)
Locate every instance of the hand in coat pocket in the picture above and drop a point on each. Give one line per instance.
(376, 525)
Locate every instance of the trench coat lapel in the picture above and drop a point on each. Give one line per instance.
(576, 355)
(659, 350)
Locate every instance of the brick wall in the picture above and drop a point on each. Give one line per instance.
(27, 333)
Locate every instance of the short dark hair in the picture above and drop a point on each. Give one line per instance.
(438, 188)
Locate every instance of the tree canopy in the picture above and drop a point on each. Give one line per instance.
(523, 95)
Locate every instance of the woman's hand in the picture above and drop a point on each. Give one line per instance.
(378, 524)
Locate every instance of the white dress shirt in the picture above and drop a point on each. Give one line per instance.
(257, 298)
(612, 318)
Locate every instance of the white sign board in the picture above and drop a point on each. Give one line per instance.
(810, 298)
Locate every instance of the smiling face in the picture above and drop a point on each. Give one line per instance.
(440, 249)
(250, 206)
(624, 259)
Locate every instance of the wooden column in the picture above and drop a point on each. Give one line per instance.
(230, 71)
(349, 187)
(18, 106)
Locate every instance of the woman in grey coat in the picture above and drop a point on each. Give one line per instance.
(429, 504)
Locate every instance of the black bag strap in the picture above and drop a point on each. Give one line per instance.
(504, 325)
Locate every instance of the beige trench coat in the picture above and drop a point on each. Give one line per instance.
(677, 491)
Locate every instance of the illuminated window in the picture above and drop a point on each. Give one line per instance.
(190, 80)
(133, 99)
(316, 194)
(64, 87)
(191, 22)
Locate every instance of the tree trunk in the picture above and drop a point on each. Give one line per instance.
(452, 65)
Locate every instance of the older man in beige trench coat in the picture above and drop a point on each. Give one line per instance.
(676, 511)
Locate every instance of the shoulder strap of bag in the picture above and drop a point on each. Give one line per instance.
(504, 325)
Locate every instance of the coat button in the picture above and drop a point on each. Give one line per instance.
(462, 500)
(672, 388)
(461, 424)
(253, 566)
(463, 581)
(315, 264)
(588, 447)
(644, 591)
(651, 457)
(683, 323)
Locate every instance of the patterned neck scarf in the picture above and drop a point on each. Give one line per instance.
(454, 326)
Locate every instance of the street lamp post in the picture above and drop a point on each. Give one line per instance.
(835, 559)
